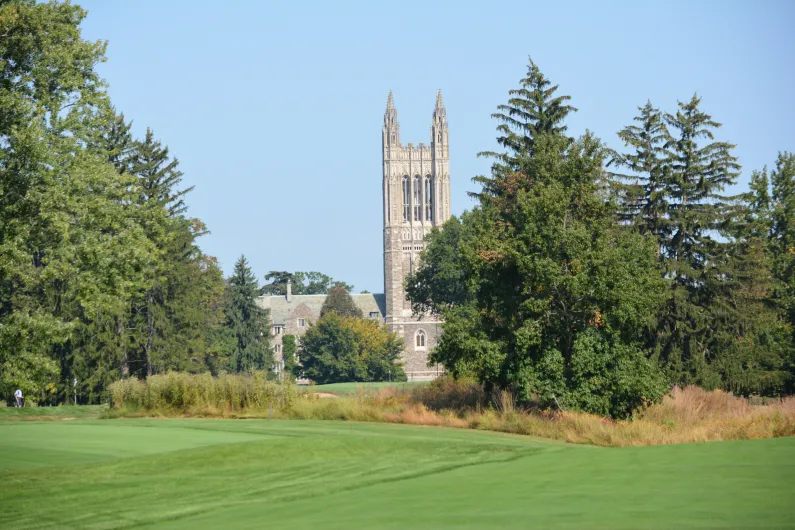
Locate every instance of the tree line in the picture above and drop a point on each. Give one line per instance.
(595, 278)
(101, 273)
(101, 276)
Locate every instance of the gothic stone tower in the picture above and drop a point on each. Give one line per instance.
(416, 189)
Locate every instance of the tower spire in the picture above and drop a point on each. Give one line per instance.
(391, 135)
(439, 114)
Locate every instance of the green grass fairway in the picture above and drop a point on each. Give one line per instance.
(351, 388)
(198, 473)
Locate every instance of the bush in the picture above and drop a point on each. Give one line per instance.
(447, 392)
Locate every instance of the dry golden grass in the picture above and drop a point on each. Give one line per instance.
(686, 415)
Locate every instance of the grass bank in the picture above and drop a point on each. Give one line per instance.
(685, 416)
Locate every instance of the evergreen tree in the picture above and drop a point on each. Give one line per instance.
(782, 236)
(248, 320)
(531, 110)
(159, 175)
(695, 261)
(339, 301)
(758, 222)
(642, 202)
(782, 245)
(112, 139)
(540, 292)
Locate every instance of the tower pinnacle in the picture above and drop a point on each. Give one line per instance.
(391, 134)
(439, 104)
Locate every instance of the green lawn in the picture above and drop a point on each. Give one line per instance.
(203, 473)
(351, 388)
(52, 413)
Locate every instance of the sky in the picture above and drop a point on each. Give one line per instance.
(275, 109)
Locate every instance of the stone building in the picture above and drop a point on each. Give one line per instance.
(416, 197)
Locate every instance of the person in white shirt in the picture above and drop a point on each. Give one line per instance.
(18, 395)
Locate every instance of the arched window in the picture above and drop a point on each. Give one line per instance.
(428, 199)
(406, 199)
(419, 339)
(417, 197)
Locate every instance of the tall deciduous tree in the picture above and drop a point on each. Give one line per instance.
(71, 250)
(311, 282)
(344, 349)
(340, 302)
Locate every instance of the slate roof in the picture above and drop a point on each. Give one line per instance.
(281, 308)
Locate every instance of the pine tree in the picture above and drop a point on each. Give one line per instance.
(782, 236)
(694, 177)
(248, 321)
(759, 216)
(540, 292)
(113, 140)
(642, 202)
(159, 175)
(531, 110)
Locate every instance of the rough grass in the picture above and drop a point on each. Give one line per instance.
(686, 415)
(344, 389)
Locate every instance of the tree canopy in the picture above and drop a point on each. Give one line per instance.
(312, 282)
(340, 302)
(345, 349)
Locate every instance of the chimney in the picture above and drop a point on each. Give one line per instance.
(289, 290)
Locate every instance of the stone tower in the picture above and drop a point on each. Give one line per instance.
(416, 194)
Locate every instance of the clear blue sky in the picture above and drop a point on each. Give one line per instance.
(275, 109)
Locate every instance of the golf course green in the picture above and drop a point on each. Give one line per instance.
(204, 473)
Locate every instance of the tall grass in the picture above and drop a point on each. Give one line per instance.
(686, 415)
(187, 394)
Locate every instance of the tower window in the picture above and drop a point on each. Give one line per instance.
(417, 197)
(419, 339)
(406, 199)
(301, 322)
(428, 199)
